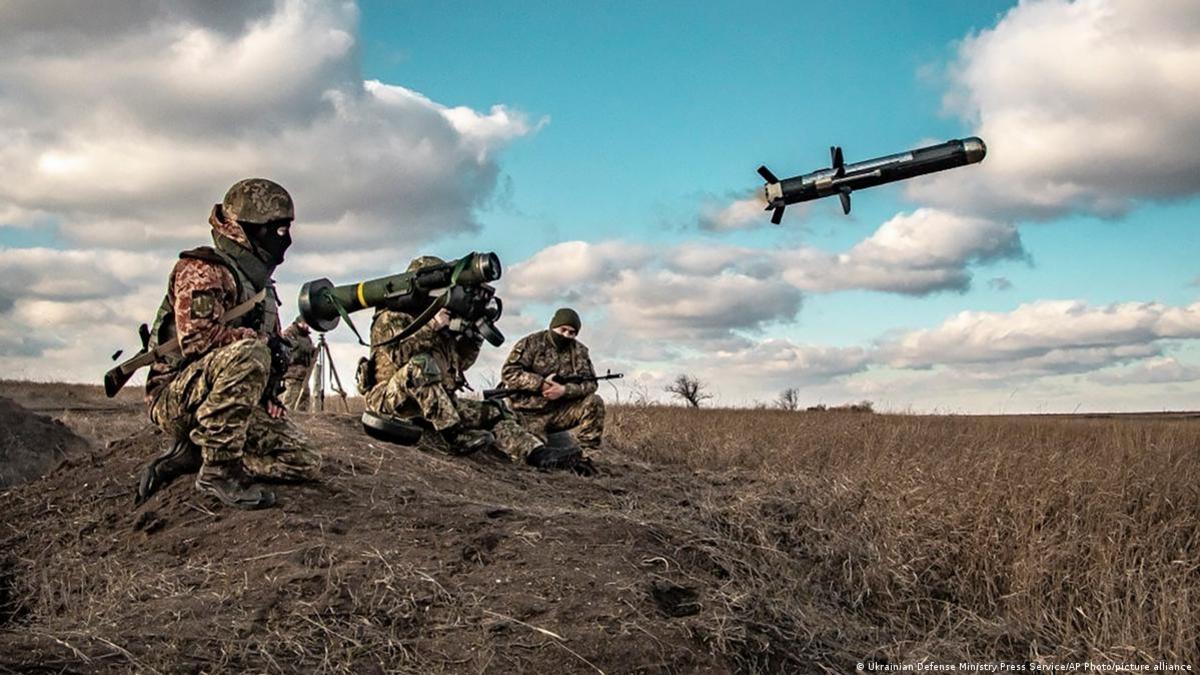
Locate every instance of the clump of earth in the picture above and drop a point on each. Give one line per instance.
(31, 444)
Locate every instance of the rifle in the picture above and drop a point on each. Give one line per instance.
(503, 392)
(116, 377)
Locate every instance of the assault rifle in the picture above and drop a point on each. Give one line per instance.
(503, 392)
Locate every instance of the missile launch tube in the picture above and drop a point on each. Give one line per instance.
(322, 304)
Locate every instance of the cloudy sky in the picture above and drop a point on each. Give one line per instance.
(607, 152)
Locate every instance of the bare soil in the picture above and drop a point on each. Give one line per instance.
(396, 560)
(30, 443)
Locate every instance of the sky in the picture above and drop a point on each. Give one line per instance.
(607, 152)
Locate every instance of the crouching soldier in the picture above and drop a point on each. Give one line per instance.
(215, 395)
(419, 377)
(303, 356)
(544, 405)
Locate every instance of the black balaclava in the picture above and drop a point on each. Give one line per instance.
(266, 242)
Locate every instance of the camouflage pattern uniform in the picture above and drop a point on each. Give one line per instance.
(304, 355)
(212, 392)
(580, 410)
(418, 377)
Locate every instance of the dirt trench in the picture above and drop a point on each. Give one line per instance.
(396, 560)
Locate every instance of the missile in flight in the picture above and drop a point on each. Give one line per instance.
(841, 178)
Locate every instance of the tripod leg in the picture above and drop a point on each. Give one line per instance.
(318, 394)
(337, 380)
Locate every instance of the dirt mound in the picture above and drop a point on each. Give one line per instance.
(31, 443)
(400, 560)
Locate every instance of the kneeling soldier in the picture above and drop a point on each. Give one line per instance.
(216, 394)
(303, 356)
(543, 405)
(420, 377)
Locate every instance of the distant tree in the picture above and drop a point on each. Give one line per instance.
(690, 389)
(789, 399)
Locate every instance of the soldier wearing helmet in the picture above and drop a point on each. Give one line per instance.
(216, 395)
(300, 365)
(419, 377)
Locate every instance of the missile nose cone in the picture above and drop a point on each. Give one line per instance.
(975, 148)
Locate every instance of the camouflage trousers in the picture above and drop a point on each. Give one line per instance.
(295, 394)
(413, 391)
(215, 402)
(583, 417)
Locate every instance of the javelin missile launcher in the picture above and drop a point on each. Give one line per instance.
(841, 179)
(460, 286)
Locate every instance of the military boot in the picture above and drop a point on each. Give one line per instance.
(181, 457)
(468, 441)
(228, 482)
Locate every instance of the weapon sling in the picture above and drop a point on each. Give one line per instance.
(116, 378)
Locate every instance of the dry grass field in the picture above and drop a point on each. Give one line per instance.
(714, 541)
(1023, 537)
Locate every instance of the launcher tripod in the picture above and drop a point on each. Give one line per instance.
(326, 373)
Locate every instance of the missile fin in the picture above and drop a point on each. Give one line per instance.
(777, 215)
(767, 175)
(844, 196)
(839, 161)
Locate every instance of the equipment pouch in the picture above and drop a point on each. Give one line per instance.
(364, 375)
(424, 371)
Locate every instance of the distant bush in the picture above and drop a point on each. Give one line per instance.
(860, 407)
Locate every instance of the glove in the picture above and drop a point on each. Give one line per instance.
(281, 358)
(281, 355)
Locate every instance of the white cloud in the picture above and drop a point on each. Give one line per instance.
(1048, 335)
(709, 290)
(688, 294)
(552, 271)
(184, 100)
(774, 363)
(1160, 370)
(915, 253)
(1086, 105)
(119, 129)
(675, 306)
(49, 274)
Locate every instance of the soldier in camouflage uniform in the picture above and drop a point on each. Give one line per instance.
(212, 395)
(532, 366)
(303, 356)
(419, 377)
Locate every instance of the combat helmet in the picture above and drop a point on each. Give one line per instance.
(258, 200)
(421, 262)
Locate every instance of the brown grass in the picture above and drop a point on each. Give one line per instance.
(1063, 538)
(749, 541)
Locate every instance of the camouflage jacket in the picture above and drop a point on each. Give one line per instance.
(454, 353)
(304, 352)
(199, 291)
(533, 358)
